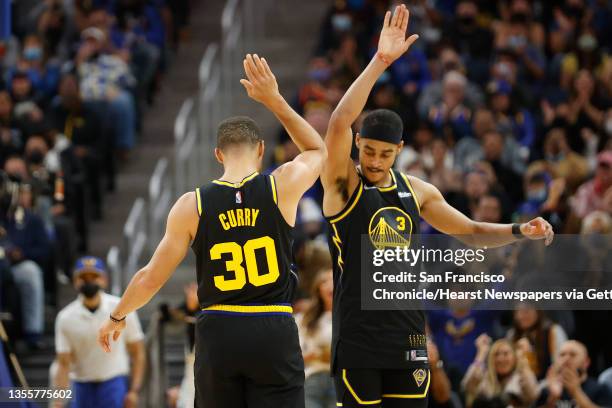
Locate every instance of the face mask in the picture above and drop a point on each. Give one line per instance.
(537, 196)
(32, 53)
(342, 22)
(587, 42)
(319, 74)
(467, 20)
(519, 17)
(517, 41)
(89, 289)
(35, 157)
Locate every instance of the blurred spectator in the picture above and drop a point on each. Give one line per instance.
(473, 41)
(563, 161)
(81, 125)
(590, 195)
(568, 384)
(98, 379)
(512, 121)
(106, 79)
(451, 115)
(500, 371)
(504, 168)
(448, 60)
(543, 336)
(26, 245)
(315, 327)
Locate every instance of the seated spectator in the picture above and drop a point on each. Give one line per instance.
(590, 195)
(440, 169)
(586, 106)
(43, 71)
(315, 327)
(499, 371)
(451, 113)
(563, 161)
(418, 150)
(568, 383)
(543, 336)
(448, 60)
(81, 125)
(27, 111)
(26, 245)
(506, 168)
(509, 119)
(473, 41)
(106, 79)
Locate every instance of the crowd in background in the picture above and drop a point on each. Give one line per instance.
(507, 109)
(75, 79)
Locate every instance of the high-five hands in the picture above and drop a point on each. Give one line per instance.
(261, 83)
(393, 42)
(538, 228)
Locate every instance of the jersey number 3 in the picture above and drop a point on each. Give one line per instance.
(235, 264)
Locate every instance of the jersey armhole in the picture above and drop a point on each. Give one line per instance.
(198, 202)
(274, 192)
(416, 199)
(351, 203)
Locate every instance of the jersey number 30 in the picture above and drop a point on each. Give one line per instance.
(235, 264)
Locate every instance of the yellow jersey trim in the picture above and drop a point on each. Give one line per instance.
(359, 400)
(338, 243)
(199, 199)
(250, 308)
(339, 404)
(352, 205)
(416, 199)
(236, 185)
(274, 189)
(423, 395)
(391, 187)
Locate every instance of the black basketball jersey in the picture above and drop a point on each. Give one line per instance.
(243, 245)
(372, 338)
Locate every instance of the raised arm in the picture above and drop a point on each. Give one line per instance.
(447, 219)
(292, 179)
(180, 230)
(339, 173)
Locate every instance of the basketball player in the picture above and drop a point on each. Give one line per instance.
(379, 358)
(247, 348)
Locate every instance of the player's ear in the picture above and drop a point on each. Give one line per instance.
(219, 155)
(400, 146)
(260, 149)
(357, 139)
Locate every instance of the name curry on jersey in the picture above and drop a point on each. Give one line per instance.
(238, 217)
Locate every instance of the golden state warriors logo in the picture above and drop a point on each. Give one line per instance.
(419, 376)
(390, 227)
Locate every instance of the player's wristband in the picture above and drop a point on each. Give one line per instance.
(516, 231)
(384, 59)
(115, 320)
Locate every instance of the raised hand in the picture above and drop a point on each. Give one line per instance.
(261, 83)
(393, 42)
(538, 228)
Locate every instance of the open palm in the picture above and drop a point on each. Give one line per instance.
(393, 42)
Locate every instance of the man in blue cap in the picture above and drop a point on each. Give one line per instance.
(99, 379)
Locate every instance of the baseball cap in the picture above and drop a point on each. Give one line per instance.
(89, 264)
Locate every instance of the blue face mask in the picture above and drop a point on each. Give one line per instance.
(342, 22)
(319, 74)
(32, 53)
(537, 196)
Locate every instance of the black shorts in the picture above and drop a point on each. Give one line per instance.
(386, 388)
(248, 362)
